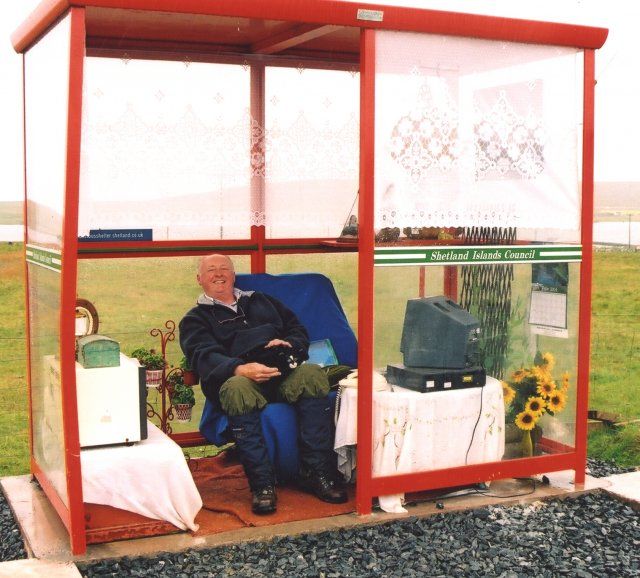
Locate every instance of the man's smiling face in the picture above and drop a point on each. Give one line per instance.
(216, 277)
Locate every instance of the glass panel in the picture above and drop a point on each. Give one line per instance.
(312, 132)
(341, 268)
(134, 296)
(433, 351)
(165, 146)
(477, 133)
(477, 150)
(46, 96)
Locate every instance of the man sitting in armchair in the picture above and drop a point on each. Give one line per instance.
(248, 349)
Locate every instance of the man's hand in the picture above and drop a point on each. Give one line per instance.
(256, 371)
(275, 342)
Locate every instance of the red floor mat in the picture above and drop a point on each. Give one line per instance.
(226, 506)
(224, 489)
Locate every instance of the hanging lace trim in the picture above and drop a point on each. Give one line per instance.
(506, 142)
(427, 138)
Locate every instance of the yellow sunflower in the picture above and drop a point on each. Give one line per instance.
(546, 388)
(519, 375)
(548, 361)
(540, 374)
(565, 381)
(508, 393)
(526, 420)
(535, 405)
(557, 400)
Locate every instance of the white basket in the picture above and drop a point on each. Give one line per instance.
(154, 377)
(183, 412)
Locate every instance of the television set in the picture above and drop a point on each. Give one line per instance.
(438, 333)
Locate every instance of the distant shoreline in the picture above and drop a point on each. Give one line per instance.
(614, 202)
(11, 233)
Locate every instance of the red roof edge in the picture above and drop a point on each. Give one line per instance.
(338, 13)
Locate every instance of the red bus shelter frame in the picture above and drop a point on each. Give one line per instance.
(95, 30)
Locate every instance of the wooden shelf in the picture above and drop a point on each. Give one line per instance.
(353, 243)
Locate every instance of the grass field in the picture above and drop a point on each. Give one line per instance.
(615, 358)
(134, 296)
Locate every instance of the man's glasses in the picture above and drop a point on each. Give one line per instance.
(241, 315)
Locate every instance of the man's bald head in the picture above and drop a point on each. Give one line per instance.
(216, 276)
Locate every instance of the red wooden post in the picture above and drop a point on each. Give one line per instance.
(451, 282)
(69, 279)
(365, 272)
(586, 228)
(257, 123)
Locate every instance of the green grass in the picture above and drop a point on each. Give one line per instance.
(615, 342)
(14, 435)
(619, 445)
(134, 296)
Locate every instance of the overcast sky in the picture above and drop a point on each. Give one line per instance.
(617, 115)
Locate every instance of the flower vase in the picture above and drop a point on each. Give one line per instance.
(526, 445)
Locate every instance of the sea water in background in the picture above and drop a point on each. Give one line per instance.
(11, 233)
(617, 232)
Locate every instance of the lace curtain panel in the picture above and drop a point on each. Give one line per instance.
(473, 132)
(172, 146)
(468, 133)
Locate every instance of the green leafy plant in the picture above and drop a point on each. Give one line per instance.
(184, 364)
(180, 392)
(148, 358)
(189, 375)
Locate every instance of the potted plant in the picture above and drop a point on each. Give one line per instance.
(153, 362)
(181, 395)
(189, 376)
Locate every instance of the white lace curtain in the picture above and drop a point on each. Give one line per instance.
(172, 146)
(473, 132)
(468, 132)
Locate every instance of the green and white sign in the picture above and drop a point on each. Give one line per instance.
(476, 255)
(45, 257)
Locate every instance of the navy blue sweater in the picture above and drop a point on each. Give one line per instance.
(213, 337)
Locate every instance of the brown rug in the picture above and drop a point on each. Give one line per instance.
(226, 506)
(225, 490)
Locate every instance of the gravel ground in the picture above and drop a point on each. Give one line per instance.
(11, 545)
(591, 535)
(603, 468)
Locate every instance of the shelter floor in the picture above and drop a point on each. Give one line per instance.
(46, 538)
(226, 500)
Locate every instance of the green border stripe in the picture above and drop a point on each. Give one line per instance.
(44, 257)
(476, 255)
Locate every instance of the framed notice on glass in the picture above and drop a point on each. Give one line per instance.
(548, 310)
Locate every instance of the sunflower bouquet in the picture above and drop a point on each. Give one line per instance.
(532, 392)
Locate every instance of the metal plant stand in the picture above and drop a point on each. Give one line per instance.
(165, 414)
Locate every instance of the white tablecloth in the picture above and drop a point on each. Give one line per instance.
(416, 432)
(150, 478)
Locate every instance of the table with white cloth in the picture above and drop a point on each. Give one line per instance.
(417, 432)
(150, 477)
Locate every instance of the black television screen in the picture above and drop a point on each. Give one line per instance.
(437, 332)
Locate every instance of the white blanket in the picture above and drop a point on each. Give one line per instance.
(150, 478)
(416, 432)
